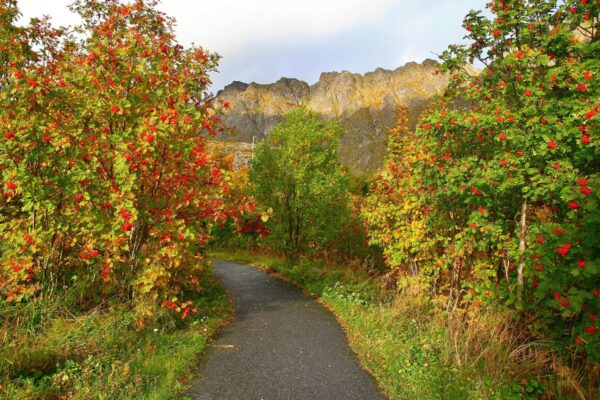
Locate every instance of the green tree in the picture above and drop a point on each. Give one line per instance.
(295, 174)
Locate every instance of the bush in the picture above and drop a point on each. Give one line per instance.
(496, 203)
(105, 178)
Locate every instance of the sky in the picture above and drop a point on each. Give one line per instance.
(263, 40)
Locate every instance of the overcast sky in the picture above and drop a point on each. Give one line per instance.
(263, 40)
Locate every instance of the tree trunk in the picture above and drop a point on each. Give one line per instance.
(522, 248)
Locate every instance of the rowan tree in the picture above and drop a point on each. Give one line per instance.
(105, 174)
(504, 196)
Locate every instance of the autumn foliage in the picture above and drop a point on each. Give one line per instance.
(105, 177)
(493, 200)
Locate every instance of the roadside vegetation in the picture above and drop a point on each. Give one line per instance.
(475, 270)
(55, 350)
(468, 268)
(107, 199)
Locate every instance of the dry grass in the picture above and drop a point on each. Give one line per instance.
(496, 348)
(496, 344)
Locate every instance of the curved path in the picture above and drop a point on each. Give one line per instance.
(281, 345)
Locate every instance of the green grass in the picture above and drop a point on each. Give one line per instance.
(106, 355)
(403, 346)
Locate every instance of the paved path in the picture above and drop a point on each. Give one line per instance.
(281, 345)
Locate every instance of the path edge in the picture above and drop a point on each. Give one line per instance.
(276, 274)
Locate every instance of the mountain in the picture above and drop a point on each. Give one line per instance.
(365, 105)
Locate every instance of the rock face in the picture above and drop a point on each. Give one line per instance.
(365, 105)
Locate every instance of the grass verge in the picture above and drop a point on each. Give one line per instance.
(105, 354)
(401, 338)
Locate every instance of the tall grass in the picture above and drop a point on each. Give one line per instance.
(53, 350)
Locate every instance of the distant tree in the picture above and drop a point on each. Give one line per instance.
(296, 175)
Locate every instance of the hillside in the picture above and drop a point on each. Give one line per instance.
(365, 105)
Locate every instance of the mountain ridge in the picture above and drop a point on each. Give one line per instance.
(365, 105)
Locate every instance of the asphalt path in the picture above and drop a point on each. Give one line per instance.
(282, 344)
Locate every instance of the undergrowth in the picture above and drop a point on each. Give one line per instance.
(55, 351)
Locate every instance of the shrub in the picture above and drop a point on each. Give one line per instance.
(295, 175)
(496, 202)
(105, 177)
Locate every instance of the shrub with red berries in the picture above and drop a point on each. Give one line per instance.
(102, 155)
(497, 192)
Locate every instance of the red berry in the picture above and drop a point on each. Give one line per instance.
(564, 250)
(540, 239)
(585, 139)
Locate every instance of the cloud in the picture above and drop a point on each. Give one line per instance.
(262, 40)
(228, 26)
(57, 9)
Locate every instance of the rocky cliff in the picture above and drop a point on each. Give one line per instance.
(365, 105)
